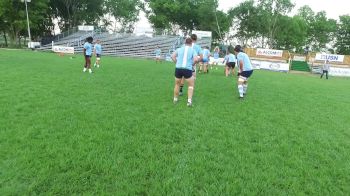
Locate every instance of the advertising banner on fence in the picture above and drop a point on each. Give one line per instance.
(201, 34)
(63, 49)
(330, 57)
(299, 58)
(337, 71)
(85, 28)
(269, 52)
(273, 66)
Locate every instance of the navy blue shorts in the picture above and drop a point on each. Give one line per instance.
(87, 56)
(231, 64)
(98, 55)
(180, 73)
(247, 74)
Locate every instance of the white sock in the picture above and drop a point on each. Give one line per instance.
(189, 100)
(245, 87)
(240, 90)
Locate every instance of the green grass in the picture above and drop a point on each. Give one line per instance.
(117, 131)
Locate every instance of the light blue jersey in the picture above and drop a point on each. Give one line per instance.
(98, 48)
(230, 58)
(216, 55)
(185, 57)
(157, 52)
(206, 54)
(197, 48)
(243, 57)
(88, 48)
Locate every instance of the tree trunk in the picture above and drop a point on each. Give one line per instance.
(5, 38)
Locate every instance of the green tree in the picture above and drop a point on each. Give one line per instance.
(188, 16)
(76, 12)
(271, 11)
(291, 33)
(124, 11)
(343, 35)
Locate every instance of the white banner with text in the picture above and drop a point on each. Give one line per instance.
(63, 49)
(269, 52)
(330, 57)
(337, 71)
(272, 66)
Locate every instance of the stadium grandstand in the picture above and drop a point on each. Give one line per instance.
(122, 44)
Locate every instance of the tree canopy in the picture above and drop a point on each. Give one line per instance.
(258, 23)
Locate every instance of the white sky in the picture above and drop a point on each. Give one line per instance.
(333, 8)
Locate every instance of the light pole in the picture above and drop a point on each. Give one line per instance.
(25, 2)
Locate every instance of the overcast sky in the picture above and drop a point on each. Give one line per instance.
(333, 8)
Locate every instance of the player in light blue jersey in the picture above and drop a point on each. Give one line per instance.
(198, 50)
(158, 52)
(216, 55)
(87, 51)
(230, 60)
(98, 53)
(245, 70)
(205, 60)
(184, 57)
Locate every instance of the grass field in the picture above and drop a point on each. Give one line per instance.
(117, 131)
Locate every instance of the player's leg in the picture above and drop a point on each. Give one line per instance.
(227, 69)
(240, 82)
(89, 64)
(178, 79)
(86, 63)
(190, 82)
(182, 83)
(327, 75)
(322, 74)
(98, 60)
(233, 69)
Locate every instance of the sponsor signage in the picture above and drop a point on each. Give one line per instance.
(201, 34)
(85, 28)
(63, 49)
(330, 57)
(269, 52)
(272, 66)
(337, 71)
(299, 58)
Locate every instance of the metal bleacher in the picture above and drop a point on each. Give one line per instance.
(125, 45)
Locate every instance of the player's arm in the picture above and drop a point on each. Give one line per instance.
(195, 59)
(173, 57)
(240, 66)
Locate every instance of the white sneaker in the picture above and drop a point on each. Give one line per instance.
(189, 104)
(98, 66)
(84, 70)
(90, 71)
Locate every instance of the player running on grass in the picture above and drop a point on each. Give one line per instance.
(216, 55)
(205, 60)
(245, 70)
(98, 53)
(158, 52)
(230, 60)
(185, 58)
(198, 50)
(87, 51)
